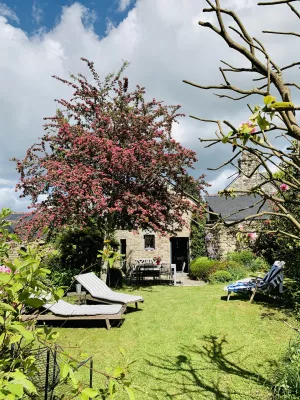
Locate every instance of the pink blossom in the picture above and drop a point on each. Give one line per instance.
(252, 236)
(5, 269)
(241, 227)
(248, 124)
(284, 187)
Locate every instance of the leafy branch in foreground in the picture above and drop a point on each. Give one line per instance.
(271, 129)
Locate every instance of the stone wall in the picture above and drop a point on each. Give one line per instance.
(251, 176)
(135, 244)
(219, 241)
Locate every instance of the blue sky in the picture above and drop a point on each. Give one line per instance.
(34, 14)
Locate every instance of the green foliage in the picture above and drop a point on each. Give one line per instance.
(21, 284)
(79, 247)
(24, 283)
(248, 260)
(236, 270)
(287, 377)
(202, 267)
(198, 236)
(220, 276)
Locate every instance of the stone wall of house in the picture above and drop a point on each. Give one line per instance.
(135, 245)
(219, 241)
(251, 176)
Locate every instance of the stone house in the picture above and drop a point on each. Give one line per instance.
(222, 240)
(149, 244)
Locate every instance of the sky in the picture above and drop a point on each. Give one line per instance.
(164, 45)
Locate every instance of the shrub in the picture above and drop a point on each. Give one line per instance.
(287, 378)
(220, 276)
(236, 270)
(202, 267)
(248, 260)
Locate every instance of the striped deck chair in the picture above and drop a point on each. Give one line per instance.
(99, 291)
(272, 279)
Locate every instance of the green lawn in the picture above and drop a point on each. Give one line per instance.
(189, 343)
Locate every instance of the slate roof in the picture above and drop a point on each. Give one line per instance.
(14, 219)
(228, 206)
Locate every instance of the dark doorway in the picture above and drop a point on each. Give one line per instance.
(180, 252)
(123, 252)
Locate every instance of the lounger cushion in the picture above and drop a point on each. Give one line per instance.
(98, 289)
(61, 307)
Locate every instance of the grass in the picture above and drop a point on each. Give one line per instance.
(189, 343)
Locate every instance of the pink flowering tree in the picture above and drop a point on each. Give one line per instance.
(107, 159)
(270, 133)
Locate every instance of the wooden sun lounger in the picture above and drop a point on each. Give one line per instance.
(99, 291)
(101, 315)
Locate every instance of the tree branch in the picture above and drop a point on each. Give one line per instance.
(283, 33)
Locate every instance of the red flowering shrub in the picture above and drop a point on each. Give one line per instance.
(107, 159)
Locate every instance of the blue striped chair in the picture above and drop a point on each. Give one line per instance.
(272, 279)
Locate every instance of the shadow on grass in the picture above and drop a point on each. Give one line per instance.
(198, 372)
(86, 324)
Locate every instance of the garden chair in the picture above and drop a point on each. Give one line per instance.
(166, 270)
(272, 279)
(61, 310)
(182, 273)
(99, 291)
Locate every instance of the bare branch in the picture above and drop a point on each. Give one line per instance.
(290, 66)
(225, 163)
(229, 87)
(294, 10)
(224, 76)
(283, 33)
(293, 84)
(272, 3)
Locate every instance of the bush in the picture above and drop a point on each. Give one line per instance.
(202, 267)
(236, 270)
(248, 260)
(287, 378)
(220, 276)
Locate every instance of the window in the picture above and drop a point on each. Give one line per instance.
(149, 242)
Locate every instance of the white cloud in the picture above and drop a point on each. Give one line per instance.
(9, 199)
(5, 11)
(221, 181)
(123, 5)
(164, 44)
(109, 26)
(37, 13)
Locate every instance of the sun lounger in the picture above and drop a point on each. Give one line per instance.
(61, 310)
(272, 279)
(100, 291)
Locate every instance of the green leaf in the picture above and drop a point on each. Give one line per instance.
(263, 123)
(58, 294)
(6, 307)
(16, 389)
(130, 393)
(112, 387)
(89, 393)
(282, 104)
(64, 372)
(269, 100)
(34, 302)
(5, 278)
(18, 327)
(225, 139)
(122, 351)
(118, 372)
